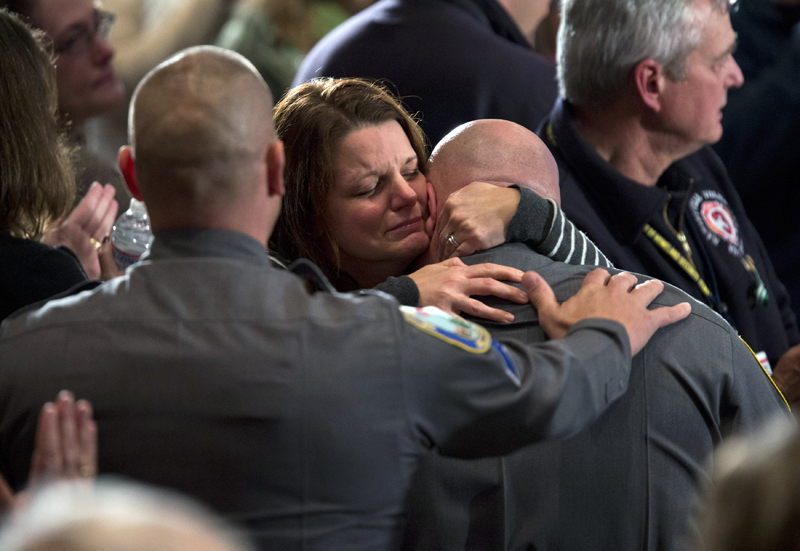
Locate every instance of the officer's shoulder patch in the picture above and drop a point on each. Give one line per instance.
(449, 328)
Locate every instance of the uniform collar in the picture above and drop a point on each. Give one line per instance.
(611, 193)
(207, 243)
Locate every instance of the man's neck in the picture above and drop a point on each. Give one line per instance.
(621, 139)
(250, 222)
(526, 19)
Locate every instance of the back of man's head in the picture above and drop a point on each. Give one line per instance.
(601, 41)
(494, 151)
(116, 516)
(202, 138)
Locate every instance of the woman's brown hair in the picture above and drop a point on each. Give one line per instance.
(37, 182)
(311, 119)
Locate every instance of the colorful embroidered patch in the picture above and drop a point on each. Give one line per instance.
(449, 328)
(716, 221)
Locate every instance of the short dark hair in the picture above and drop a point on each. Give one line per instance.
(311, 119)
(37, 182)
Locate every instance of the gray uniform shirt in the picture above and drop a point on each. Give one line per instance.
(626, 483)
(302, 417)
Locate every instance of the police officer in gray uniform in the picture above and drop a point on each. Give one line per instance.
(299, 416)
(629, 481)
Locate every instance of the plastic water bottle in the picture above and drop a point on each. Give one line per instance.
(131, 236)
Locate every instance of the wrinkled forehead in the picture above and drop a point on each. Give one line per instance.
(55, 17)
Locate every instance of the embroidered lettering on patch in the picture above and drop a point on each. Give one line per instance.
(716, 221)
(449, 328)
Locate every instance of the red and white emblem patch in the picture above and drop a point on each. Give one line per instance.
(718, 219)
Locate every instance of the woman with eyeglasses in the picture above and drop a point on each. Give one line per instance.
(37, 185)
(86, 81)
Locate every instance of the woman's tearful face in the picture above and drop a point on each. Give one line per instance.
(377, 206)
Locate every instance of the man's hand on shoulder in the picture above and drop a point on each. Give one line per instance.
(602, 295)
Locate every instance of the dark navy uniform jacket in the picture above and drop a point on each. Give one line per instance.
(302, 417)
(613, 211)
(451, 61)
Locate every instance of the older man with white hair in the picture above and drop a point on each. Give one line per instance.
(642, 85)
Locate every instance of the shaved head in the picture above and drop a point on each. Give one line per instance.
(494, 151)
(200, 126)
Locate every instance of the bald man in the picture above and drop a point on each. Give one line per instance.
(628, 481)
(113, 515)
(300, 416)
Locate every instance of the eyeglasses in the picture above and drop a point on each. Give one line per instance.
(80, 42)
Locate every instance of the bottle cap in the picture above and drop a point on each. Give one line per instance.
(138, 207)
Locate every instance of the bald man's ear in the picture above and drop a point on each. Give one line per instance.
(650, 79)
(128, 169)
(275, 165)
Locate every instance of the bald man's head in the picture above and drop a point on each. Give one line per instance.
(494, 151)
(116, 516)
(200, 128)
